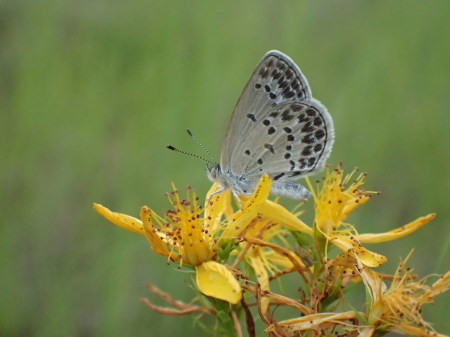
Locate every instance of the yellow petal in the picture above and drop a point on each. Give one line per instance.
(396, 233)
(351, 206)
(216, 207)
(280, 215)
(121, 220)
(261, 274)
(216, 280)
(156, 240)
(367, 257)
(375, 287)
(252, 205)
(441, 285)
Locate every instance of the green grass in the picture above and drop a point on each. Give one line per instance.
(92, 91)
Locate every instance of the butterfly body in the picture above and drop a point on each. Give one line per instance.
(276, 128)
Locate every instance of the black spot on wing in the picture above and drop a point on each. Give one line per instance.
(303, 118)
(308, 139)
(311, 112)
(278, 176)
(292, 165)
(296, 107)
(296, 173)
(307, 151)
(252, 117)
(318, 121)
(269, 147)
(286, 116)
(320, 134)
(318, 147)
(308, 127)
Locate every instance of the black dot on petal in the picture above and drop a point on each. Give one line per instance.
(274, 114)
(247, 152)
(289, 147)
(272, 95)
(267, 88)
(287, 129)
(266, 122)
(290, 138)
(271, 130)
(287, 156)
(257, 85)
(260, 161)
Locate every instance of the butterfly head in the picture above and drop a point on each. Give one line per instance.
(214, 173)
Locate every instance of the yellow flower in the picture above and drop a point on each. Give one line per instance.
(399, 306)
(339, 196)
(267, 222)
(263, 257)
(191, 234)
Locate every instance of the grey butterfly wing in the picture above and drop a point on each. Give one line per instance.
(276, 81)
(292, 141)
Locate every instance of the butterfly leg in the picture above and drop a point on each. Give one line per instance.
(290, 189)
(217, 190)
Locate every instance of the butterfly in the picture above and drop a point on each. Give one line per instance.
(277, 128)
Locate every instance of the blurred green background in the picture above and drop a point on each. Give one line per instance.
(92, 91)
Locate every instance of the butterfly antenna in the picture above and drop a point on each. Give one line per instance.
(170, 147)
(201, 145)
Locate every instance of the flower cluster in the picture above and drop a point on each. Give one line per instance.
(238, 245)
